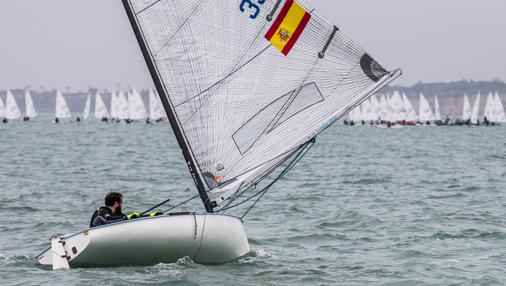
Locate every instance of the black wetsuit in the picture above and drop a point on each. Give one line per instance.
(104, 215)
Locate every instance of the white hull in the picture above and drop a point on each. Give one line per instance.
(206, 238)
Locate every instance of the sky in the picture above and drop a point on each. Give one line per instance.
(74, 44)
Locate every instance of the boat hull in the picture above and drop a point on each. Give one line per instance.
(205, 238)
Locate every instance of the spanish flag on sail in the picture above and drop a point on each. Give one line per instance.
(288, 26)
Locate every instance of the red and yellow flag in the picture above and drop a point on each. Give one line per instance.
(288, 27)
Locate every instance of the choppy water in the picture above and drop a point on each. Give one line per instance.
(367, 206)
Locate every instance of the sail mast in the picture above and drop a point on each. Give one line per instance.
(169, 109)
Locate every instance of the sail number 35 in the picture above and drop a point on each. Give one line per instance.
(252, 7)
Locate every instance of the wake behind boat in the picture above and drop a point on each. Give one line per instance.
(243, 113)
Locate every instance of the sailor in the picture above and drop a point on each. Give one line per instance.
(111, 212)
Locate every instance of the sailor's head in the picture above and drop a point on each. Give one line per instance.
(114, 201)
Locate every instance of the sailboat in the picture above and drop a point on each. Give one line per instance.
(87, 107)
(136, 109)
(411, 117)
(475, 111)
(101, 112)
(500, 116)
(2, 111)
(376, 109)
(244, 112)
(62, 110)
(466, 113)
(354, 117)
(156, 111)
(397, 105)
(437, 113)
(488, 114)
(426, 116)
(30, 111)
(11, 107)
(122, 106)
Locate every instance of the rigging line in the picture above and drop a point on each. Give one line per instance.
(182, 203)
(303, 151)
(294, 149)
(260, 178)
(223, 79)
(149, 6)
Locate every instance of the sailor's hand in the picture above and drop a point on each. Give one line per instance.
(155, 214)
(133, 216)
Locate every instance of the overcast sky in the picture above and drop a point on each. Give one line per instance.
(77, 43)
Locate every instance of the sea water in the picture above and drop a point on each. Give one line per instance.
(366, 206)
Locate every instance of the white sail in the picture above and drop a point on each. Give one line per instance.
(488, 113)
(122, 106)
(2, 108)
(30, 110)
(411, 115)
(386, 111)
(136, 108)
(367, 111)
(87, 107)
(100, 108)
(425, 111)
(115, 114)
(500, 116)
(11, 107)
(245, 91)
(156, 111)
(437, 110)
(355, 115)
(475, 110)
(397, 106)
(376, 108)
(466, 112)
(62, 109)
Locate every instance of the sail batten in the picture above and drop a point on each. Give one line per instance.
(237, 101)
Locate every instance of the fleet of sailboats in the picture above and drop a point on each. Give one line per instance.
(393, 109)
(123, 108)
(396, 110)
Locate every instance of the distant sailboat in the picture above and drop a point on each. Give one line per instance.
(87, 107)
(488, 112)
(425, 112)
(62, 110)
(122, 106)
(475, 112)
(355, 116)
(411, 117)
(437, 111)
(397, 105)
(500, 116)
(136, 109)
(466, 112)
(101, 112)
(376, 109)
(366, 112)
(11, 107)
(2, 111)
(30, 111)
(114, 107)
(156, 111)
